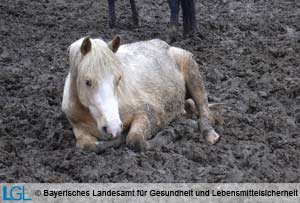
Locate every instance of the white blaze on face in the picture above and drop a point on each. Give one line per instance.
(104, 107)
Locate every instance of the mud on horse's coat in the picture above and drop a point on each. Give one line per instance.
(137, 88)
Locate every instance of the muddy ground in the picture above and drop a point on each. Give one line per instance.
(249, 51)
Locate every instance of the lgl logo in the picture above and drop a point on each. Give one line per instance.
(15, 193)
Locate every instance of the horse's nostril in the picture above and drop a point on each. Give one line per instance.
(122, 126)
(104, 129)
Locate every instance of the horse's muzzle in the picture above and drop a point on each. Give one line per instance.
(114, 129)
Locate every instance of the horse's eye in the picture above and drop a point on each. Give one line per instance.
(88, 83)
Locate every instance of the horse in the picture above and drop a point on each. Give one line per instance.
(188, 15)
(136, 88)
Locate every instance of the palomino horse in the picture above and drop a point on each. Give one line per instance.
(188, 15)
(136, 88)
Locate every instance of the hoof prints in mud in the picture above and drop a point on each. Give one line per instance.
(248, 50)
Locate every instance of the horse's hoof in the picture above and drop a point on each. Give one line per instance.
(86, 146)
(212, 137)
(137, 145)
(101, 147)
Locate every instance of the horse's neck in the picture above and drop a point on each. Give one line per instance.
(124, 94)
(130, 95)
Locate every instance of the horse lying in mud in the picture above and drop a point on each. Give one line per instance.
(188, 15)
(135, 88)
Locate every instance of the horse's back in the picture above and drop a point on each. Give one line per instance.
(151, 68)
(150, 63)
(154, 43)
(148, 51)
(147, 57)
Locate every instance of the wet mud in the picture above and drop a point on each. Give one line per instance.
(249, 53)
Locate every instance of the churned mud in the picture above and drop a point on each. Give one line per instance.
(249, 52)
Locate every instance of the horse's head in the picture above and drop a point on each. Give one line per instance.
(98, 77)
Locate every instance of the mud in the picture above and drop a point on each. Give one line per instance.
(249, 52)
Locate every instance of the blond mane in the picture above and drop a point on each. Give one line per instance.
(96, 63)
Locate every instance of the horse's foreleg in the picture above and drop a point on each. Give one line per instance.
(103, 145)
(85, 141)
(111, 13)
(140, 131)
(174, 7)
(195, 88)
(135, 15)
(189, 16)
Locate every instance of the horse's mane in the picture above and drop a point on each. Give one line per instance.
(96, 63)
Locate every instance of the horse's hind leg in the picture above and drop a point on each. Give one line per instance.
(135, 15)
(111, 13)
(196, 90)
(190, 107)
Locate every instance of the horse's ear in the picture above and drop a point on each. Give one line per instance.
(86, 46)
(115, 43)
